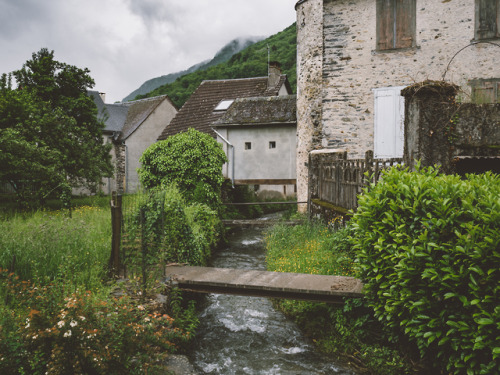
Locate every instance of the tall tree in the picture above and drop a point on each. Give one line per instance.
(50, 137)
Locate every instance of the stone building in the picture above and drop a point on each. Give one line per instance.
(355, 56)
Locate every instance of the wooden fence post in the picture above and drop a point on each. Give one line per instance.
(116, 226)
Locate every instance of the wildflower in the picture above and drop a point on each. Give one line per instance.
(73, 323)
(140, 307)
(60, 324)
(82, 318)
(67, 333)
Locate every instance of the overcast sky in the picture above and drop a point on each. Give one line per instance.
(126, 42)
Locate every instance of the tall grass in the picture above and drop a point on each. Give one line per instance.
(49, 245)
(310, 248)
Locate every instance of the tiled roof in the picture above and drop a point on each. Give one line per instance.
(198, 112)
(138, 112)
(114, 117)
(124, 118)
(260, 111)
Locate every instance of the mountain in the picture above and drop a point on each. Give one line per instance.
(223, 55)
(249, 62)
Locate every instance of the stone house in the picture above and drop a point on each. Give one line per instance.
(355, 56)
(214, 99)
(259, 138)
(131, 127)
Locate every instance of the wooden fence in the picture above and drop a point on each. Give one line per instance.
(337, 180)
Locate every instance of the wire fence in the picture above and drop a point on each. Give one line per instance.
(151, 230)
(139, 237)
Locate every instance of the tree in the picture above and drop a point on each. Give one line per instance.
(192, 160)
(50, 137)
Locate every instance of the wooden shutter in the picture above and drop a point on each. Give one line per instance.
(487, 19)
(405, 23)
(385, 24)
(388, 134)
(486, 91)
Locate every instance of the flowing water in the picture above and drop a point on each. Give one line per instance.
(246, 335)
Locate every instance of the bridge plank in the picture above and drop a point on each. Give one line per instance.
(323, 288)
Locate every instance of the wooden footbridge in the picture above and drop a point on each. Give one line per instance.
(318, 288)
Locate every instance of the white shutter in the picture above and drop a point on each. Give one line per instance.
(388, 130)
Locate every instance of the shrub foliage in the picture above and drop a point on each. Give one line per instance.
(192, 160)
(428, 248)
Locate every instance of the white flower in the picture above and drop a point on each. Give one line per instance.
(140, 307)
(60, 324)
(67, 333)
(35, 337)
(147, 319)
(73, 323)
(82, 318)
(27, 325)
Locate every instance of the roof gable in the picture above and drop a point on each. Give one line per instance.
(123, 119)
(138, 112)
(199, 111)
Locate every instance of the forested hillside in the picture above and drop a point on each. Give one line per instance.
(234, 46)
(250, 62)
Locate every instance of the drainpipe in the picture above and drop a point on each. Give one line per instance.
(126, 169)
(232, 153)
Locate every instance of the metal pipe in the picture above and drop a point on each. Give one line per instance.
(232, 153)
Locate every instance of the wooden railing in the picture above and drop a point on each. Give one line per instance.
(337, 180)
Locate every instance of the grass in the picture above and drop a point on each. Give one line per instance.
(311, 248)
(57, 313)
(348, 333)
(49, 245)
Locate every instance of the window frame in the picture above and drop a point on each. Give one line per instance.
(486, 19)
(396, 22)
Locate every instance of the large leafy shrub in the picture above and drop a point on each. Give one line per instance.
(163, 227)
(428, 248)
(192, 160)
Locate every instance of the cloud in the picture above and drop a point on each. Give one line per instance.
(126, 42)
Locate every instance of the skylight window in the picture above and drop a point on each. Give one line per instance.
(224, 105)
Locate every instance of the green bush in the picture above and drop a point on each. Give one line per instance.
(165, 228)
(428, 249)
(349, 331)
(192, 160)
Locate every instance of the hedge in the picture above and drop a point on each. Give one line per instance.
(428, 251)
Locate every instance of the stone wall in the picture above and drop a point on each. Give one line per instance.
(309, 84)
(440, 130)
(338, 66)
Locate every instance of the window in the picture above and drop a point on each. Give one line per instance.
(248, 145)
(272, 144)
(485, 90)
(224, 105)
(396, 23)
(487, 19)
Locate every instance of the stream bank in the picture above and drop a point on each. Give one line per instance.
(246, 335)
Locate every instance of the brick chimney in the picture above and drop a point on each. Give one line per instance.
(274, 74)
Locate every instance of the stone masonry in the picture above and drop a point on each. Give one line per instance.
(339, 66)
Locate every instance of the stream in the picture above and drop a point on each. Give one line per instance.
(246, 335)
